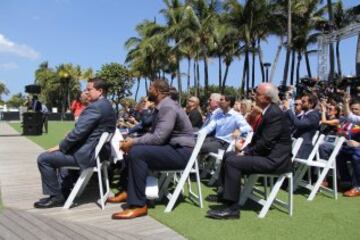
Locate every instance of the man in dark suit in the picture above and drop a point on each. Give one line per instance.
(78, 147)
(305, 126)
(268, 152)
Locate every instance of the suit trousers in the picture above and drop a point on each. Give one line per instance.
(236, 165)
(49, 163)
(212, 144)
(142, 158)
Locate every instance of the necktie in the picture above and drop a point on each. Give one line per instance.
(258, 122)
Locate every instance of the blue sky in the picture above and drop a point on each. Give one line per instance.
(93, 32)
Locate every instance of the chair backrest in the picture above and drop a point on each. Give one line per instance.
(338, 144)
(315, 137)
(296, 144)
(315, 149)
(199, 142)
(104, 138)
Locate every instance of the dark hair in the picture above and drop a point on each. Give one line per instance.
(99, 83)
(231, 99)
(35, 97)
(313, 100)
(174, 94)
(78, 96)
(162, 85)
(355, 101)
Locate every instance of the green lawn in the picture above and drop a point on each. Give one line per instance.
(323, 218)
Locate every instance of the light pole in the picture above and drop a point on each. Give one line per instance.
(267, 65)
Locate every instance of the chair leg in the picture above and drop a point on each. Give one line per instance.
(335, 181)
(272, 196)
(318, 183)
(248, 186)
(79, 187)
(290, 194)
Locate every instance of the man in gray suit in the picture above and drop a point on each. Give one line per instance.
(78, 147)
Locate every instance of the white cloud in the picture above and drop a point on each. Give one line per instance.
(7, 46)
(8, 66)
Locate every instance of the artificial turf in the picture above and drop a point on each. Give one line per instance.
(322, 218)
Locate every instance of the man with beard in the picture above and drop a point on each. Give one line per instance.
(167, 146)
(305, 126)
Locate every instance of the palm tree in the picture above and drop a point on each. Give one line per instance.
(3, 90)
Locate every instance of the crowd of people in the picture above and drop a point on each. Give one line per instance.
(160, 135)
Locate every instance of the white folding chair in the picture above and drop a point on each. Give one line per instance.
(261, 196)
(220, 155)
(323, 165)
(87, 173)
(171, 176)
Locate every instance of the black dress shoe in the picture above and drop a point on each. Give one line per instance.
(226, 213)
(50, 202)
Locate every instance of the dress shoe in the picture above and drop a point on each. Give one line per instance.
(354, 192)
(50, 202)
(226, 213)
(130, 213)
(118, 198)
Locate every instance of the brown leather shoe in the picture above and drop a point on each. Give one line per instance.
(354, 192)
(130, 213)
(118, 198)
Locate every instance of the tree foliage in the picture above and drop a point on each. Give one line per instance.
(119, 79)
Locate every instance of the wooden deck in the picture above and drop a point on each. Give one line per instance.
(21, 186)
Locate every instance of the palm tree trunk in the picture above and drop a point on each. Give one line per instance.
(261, 62)
(195, 78)
(357, 67)
(298, 67)
(276, 60)
(338, 60)
(146, 86)
(206, 75)
(253, 65)
(178, 74)
(331, 45)
(137, 88)
(242, 83)
(225, 77)
(308, 68)
(220, 70)
(247, 71)
(292, 67)
(188, 74)
(286, 67)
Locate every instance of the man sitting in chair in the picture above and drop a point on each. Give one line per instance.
(168, 146)
(268, 152)
(78, 147)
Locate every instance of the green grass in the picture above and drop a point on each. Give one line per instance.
(323, 218)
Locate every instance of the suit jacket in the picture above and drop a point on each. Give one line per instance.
(95, 119)
(305, 127)
(272, 139)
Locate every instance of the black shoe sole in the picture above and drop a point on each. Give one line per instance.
(223, 217)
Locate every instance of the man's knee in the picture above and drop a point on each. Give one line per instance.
(43, 159)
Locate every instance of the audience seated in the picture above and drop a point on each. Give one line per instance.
(213, 107)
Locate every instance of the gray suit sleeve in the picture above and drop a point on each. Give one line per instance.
(87, 121)
(166, 118)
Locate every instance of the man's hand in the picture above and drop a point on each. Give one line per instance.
(53, 149)
(347, 98)
(126, 145)
(236, 134)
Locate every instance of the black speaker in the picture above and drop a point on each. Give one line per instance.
(33, 89)
(32, 123)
